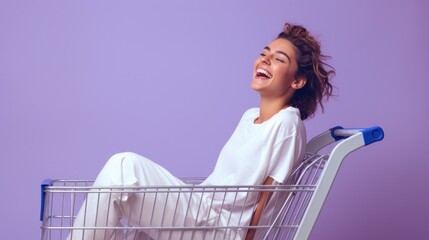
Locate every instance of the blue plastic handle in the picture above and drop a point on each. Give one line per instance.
(370, 135)
(45, 183)
(336, 137)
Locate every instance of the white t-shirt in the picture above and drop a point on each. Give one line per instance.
(256, 151)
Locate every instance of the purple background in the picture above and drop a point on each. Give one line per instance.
(82, 80)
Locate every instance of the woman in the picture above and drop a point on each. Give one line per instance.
(291, 78)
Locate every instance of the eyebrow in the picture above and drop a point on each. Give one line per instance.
(278, 51)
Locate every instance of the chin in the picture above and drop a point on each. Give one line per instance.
(257, 89)
(254, 86)
(259, 86)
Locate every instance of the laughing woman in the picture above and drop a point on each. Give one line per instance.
(292, 79)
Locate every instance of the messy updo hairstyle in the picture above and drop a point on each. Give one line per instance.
(311, 65)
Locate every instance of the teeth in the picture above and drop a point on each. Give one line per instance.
(262, 71)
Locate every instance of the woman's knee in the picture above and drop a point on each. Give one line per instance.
(129, 162)
(124, 157)
(118, 166)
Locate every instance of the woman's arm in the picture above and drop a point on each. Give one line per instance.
(263, 199)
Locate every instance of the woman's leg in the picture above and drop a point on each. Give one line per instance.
(138, 209)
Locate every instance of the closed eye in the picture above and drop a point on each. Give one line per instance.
(277, 59)
(280, 60)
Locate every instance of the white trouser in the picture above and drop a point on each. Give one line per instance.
(139, 209)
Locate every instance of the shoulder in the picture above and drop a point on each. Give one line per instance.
(288, 121)
(250, 114)
(251, 111)
(288, 115)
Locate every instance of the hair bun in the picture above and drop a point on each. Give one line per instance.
(295, 30)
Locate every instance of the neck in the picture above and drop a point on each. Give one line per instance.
(269, 107)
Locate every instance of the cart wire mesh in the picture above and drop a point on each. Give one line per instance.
(62, 200)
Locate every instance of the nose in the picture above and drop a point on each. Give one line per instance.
(265, 59)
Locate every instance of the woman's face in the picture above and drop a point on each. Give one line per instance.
(275, 70)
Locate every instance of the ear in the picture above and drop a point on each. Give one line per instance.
(299, 82)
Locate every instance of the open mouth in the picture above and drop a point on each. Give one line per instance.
(262, 73)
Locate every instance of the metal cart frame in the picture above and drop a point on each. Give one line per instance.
(294, 207)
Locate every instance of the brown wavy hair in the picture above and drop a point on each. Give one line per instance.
(312, 65)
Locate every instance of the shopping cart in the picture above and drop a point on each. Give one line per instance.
(290, 213)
